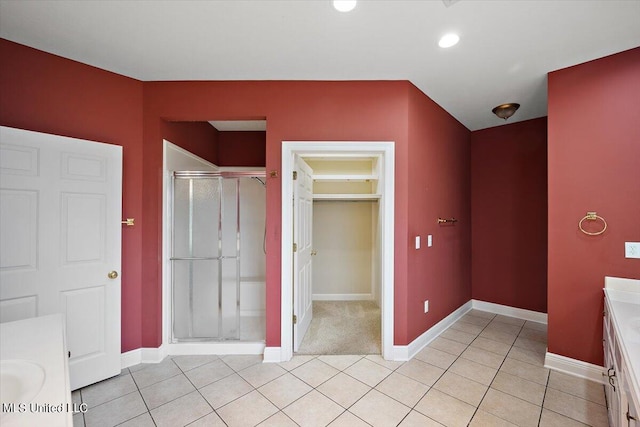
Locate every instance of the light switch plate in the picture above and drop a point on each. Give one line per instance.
(632, 249)
(429, 240)
(417, 242)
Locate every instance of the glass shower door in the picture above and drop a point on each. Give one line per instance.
(205, 258)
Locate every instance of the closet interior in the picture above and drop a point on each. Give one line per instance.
(346, 242)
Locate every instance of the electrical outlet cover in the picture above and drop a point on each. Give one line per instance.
(632, 249)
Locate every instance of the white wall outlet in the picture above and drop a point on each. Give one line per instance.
(417, 242)
(426, 306)
(632, 249)
(429, 240)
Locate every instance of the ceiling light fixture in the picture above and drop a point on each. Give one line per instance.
(344, 5)
(504, 111)
(448, 40)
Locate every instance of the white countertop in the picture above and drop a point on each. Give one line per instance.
(40, 340)
(624, 298)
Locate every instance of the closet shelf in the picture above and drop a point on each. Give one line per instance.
(346, 196)
(344, 177)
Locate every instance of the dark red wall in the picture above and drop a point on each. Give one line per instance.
(509, 215)
(594, 165)
(242, 148)
(47, 93)
(294, 111)
(199, 138)
(438, 185)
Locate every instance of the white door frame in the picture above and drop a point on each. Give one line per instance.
(386, 184)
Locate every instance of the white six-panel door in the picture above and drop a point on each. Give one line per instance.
(60, 237)
(303, 226)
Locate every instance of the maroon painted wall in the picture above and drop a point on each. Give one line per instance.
(509, 215)
(294, 111)
(47, 93)
(199, 138)
(438, 186)
(594, 165)
(242, 148)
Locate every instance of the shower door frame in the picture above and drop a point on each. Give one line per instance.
(219, 175)
(188, 160)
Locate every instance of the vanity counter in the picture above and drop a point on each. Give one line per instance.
(37, 342)
(622, 303)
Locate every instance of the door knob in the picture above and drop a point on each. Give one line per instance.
(314, 252)
(112, 274)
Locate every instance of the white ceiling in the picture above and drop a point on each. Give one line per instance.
(506, 49)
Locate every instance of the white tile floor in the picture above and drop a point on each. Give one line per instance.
(485, 370)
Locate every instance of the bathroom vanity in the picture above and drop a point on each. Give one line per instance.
(34, 383)
(621, 341)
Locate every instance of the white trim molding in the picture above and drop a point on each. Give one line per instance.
(386, 151)
(505, 310)
(574, 367)
(406, 352)
(157, 355)
(272, 355)
(142, 355)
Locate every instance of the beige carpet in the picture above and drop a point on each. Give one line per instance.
(343, 327)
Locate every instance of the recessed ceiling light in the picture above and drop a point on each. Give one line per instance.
(448, 40)
(344, 5)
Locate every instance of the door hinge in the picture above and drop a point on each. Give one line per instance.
(295, 175)
(295, 319)
(295, 247)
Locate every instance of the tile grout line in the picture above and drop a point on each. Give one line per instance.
(446, 370)
(360, 359)
(496, 374)
(544, 396)
(460, 355)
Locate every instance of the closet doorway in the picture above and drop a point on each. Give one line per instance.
(344, 188)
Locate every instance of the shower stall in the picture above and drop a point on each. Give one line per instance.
(218, 256)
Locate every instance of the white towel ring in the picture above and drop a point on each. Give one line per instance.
(592, 216)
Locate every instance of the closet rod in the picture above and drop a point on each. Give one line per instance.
(346, 200)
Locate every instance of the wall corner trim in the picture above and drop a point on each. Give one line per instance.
(406, 352)
(505, 310)
(272, 355)
(142, 355)
(574, 367)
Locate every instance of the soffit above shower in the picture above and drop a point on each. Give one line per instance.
(239, 125)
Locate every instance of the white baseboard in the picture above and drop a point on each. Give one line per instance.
(342, 297)
(406, 352)
(221, 348)
(400, 353)
(130, 358)
(142, 355)
(505, 310)
(272, 355)
(574, 367)
(156, 355)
